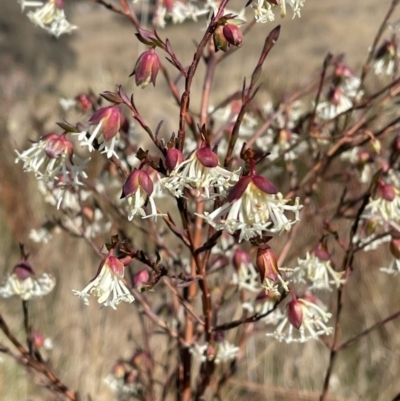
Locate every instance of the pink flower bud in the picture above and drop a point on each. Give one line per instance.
(321, 252)
(38, 340)
(174, 157)
(233, 34)
(295, 313)
(140, 278)
(83, 102)
(207, 157)
(395, 247)
(342, 71)
(220, 42)
(386, 191)
(115, 265)
(23, 271)
(119, 370)
(137, 180)
(146, 68)
(110, 119)
(240, 258)
(57, 145)
(266, 263)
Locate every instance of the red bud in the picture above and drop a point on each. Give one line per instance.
(174, 157)
(295, 313)
(146, 68)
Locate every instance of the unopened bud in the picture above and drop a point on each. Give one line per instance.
(23, 270)
(266, 263)
(146, 68)
(321, 252)
(174, 158)
(295, 313)
(240, 258)
(83, 102)
(137, 179)
(140, 279)
(57, 145)
(386, 191)
(233, 34)
(207, 157)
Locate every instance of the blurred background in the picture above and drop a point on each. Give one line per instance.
(37, 70)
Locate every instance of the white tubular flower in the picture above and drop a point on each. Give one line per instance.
(317, 270)
(385, 207)
(338, 102)
(253, 207)
(245, 277)
(108, 285)
(25, 284)
(304, 321)
(394, 266)
(51, 18)
(138, 191)
(200, 170)
(263, 9)
(107, 123)
(49, 158)
(219, 352)
(344, 91)
(385, 58)
(29, 3)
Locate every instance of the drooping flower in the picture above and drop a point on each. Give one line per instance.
(385, 58)
(24, 283)
(51, 18)
(316, 269)
(345, 89)
(107, 124)
(200, 170)
(51, 158)
(385, 206)
(270, 273)
(146, 68)
(138, 190)
(253, 206)
(304, 320)
(108, 285)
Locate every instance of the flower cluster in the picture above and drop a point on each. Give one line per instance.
(105, 134)
(52, 158)
(107, 285)
(200, 170)
(253, 206)
(263, 9)
(24, 283)
(344, 90)
(304, 320)
(317, 271)
(49, 15)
